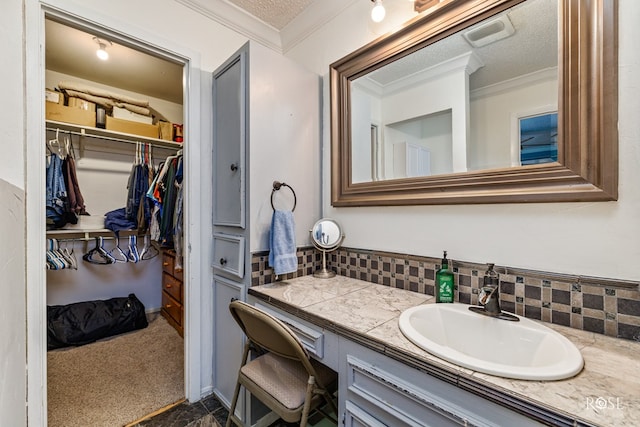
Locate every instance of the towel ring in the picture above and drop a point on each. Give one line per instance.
(276, 186)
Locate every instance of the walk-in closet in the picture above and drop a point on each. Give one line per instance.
(115, 227)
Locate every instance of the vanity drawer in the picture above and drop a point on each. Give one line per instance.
(311, 338)
(228, 254)
(392, 400)
(357, 417)
(172, 286)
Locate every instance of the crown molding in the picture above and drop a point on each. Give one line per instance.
(526, 80)
(310, 20)
(237, 20)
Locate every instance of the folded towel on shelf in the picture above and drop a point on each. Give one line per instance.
(282, 243)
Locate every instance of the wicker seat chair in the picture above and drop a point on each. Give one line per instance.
(283, 377)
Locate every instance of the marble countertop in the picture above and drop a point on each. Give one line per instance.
(605, 393)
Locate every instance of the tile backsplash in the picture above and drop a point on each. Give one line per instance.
(605, 306)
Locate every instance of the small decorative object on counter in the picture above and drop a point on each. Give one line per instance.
(444, 281)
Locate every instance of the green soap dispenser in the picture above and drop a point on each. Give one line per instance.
(444, 281)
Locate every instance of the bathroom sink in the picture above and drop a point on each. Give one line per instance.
(522, 350)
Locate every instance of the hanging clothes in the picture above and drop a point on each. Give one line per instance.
(138, 207)
(76, 201)
(64, 201)
(164, 194)
(177, 218)
(168, 205)
(58, 212)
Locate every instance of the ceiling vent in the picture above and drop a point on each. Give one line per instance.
(489, 32)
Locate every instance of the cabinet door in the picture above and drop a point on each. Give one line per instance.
(228, 342)
(229, 141)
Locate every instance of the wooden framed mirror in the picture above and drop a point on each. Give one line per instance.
(585, 165)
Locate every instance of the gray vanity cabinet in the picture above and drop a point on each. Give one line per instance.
(266, 113)
(377, 387)
(375, 390)
(229, 218)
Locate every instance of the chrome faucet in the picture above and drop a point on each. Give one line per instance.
(489, 297)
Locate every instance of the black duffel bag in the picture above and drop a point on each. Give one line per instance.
(85, 322)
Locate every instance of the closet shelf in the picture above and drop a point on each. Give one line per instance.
(79, 234)
(94, 132)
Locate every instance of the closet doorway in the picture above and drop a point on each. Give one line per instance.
(104, 158)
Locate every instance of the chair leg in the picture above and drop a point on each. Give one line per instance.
(236, 393)
(232, 410)
(307, 401)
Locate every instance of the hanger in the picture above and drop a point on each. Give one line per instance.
(54, 260)
(119, 255)
(99, 255)
(132, 253)
(54, 144)
(70, 256)
(148, 250)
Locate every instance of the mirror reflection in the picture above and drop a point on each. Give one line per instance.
(326, 234)
(483, 98)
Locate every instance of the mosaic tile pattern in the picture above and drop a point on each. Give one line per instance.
(309, 259)
(603, 308)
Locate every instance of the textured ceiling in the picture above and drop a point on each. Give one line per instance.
(277, 13)
(533, 47)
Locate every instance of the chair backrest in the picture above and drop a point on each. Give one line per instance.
(269, 333)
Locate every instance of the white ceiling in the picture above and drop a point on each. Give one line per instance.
(277, 13)
(72, 51)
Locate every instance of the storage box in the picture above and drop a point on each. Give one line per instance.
(53, 96)
(81, 103)
(166, 130)
(123, 113)
(77, 116)
(135, 128)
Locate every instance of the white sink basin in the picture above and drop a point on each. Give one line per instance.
(522, 350)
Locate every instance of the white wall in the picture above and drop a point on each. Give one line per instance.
(284, 143)
(13, 331)
(13, 350)
(595, 239)
(362, 115)
(491, 119)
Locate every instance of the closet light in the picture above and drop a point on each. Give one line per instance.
(378, 12)
(102, 48)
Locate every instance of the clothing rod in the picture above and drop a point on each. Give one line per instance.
(111, 138)
(66, 235)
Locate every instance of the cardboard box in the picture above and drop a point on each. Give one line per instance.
(135, 128)
(53, 96)
(166, 130)
(81, 103)
(123, 113)
(77, 116)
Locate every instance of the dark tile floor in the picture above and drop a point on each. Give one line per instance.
(207, 412)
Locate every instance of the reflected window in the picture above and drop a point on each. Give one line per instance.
(539, 139)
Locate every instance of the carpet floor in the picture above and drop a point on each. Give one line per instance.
(115, 381)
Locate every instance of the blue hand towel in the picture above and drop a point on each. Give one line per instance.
(282, 243)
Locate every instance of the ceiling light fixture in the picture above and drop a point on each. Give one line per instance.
(378, 12)
(102, 48)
